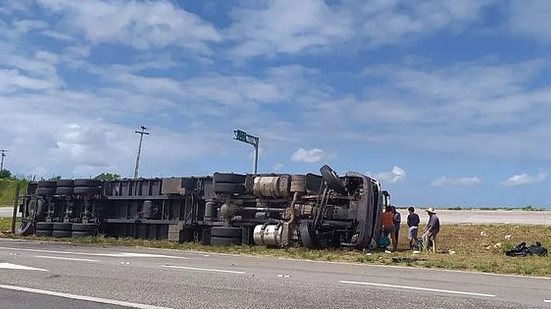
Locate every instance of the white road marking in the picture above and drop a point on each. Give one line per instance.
(19, 267)
(81, 297)
(547, 300)
(64, 258)
(122, 254)
(416, 288)
(206, 269)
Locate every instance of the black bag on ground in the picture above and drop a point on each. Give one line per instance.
(537, 249)
(522, 250)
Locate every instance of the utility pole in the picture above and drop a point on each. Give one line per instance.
(142, 133)
(242, 136)
(2, 155)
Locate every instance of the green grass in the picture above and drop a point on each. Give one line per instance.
(473, 251)
(7, 190)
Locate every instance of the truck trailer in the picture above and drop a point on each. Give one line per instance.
(278, 210)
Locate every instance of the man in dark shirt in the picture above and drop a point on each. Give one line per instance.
(413, 225)
(433, 227)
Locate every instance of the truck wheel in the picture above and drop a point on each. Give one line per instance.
(307, 235)
(64, 190)
(85, 227)
(87, 183)
(59, 233)
(224, 241)
(86, 190)
(45, 191)
(82, 234)
(24, 228)
(43, 233)
(65, 183)
(229, 188)
(228, 178)
(47, 226)
(47, 184)
(228, 232)
(62, 226)
(332, 179)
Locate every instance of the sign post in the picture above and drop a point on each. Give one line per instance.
(242, 136)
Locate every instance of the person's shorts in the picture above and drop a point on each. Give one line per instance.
(412, 232)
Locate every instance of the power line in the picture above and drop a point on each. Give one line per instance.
(142, 133)
(3, 155)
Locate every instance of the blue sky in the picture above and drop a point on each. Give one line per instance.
(447, 103)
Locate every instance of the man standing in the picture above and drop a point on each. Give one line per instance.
(396, 219)
(433, 227)
(387, 224)
(413, 225)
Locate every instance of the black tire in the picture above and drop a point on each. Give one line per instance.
(229, 188)
(307, 235)
(82, 234)
(228, 178)
(86, 190)
(332, 179)
(227, 232)
(64, 190)
(62, 226)
(65, 183)
(44, 226)
(59, 233)
(87, 183)
(85, 227)
(47, 184)
(24, 228)
(45, 191)
(43, 233)
(224, 241)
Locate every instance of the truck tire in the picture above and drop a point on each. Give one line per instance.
(65, 183)
(85, 227)
(228, 178)
(45, 191)
(43, 233)
(87, 183)
(64, 190)
(224, 241)
(44, 226)
(60, 233)
(332, 179)
(82, 234)
(229, 188)
(307, 235)
(24, 229)
(86, 190)
(62, 226)
(47, 184)
(227, 232)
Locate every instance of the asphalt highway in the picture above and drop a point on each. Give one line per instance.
(53, 275)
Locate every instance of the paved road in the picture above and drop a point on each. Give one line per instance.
(53, 275)
(6, 212)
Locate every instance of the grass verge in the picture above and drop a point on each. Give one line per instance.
(461, 247)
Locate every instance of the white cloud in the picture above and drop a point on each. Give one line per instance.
(523, 179)
(397, 174)
(530, 19)
(308, 156)
(142, 25)
(455, 182)
(289, 27)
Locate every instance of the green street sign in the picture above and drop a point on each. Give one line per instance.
(242, 136)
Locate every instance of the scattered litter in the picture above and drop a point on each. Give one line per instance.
(416, 252)
(508, 236)
(489, 247)
(11, 253)
(451, 251)
(498, 245)
(368, 253)
(283, 276)
(388, 251)
(483, 234)
(125, 263)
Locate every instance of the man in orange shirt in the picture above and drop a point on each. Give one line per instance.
(387, 222)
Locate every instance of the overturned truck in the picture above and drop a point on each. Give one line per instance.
(315, 211)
